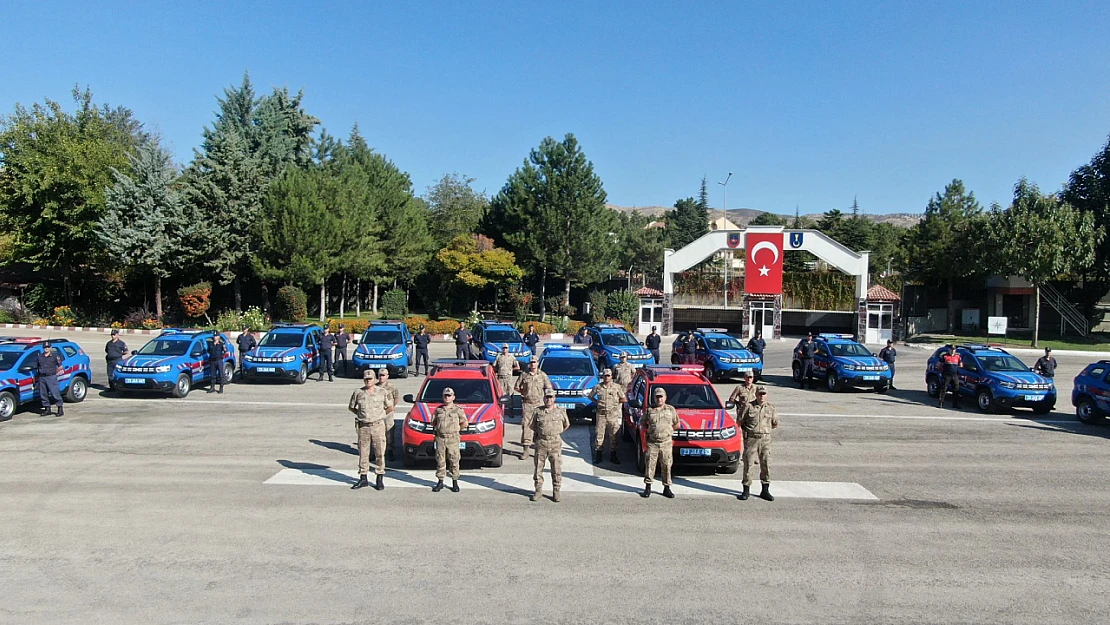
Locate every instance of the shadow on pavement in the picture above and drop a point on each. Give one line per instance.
(1069, 427)
(317, 469)
(600, 481)
(343, 447)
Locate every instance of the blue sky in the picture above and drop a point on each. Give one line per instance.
(807, 103)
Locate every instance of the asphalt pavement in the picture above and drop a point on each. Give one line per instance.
(236, 508)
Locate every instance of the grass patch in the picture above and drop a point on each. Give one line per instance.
(1091, 343)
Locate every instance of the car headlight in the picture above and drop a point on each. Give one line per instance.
(485, 426)
(162, 369)
(416, 425)
(728, 432)
(724, 360)
(884, 367)
(585, 392)
(248, 358)
(848, 367)
(1007, 384)
(289, 359)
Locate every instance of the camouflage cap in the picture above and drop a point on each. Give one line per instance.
(761, 390)
(504, 346)
(624, 355)
(549, 392)
(448, 391)
(383, 371)
(533, 359)
(368, 374)
(607, 372)
(659, 392)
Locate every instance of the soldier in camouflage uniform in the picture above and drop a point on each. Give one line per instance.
(505, 364)
(607, 418)
(371, 405)
(660, 421)
(448, 422)
(395, 396)
(548, 423)
(623, 372)
(758, 420)
(743, 394)
(531, 385)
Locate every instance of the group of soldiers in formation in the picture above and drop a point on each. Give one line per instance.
(543, 423)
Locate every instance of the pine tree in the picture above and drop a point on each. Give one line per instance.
(686, 223)
(703, 194)
(455, 207)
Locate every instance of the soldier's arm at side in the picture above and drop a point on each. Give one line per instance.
(566, 420)
(353, 404)
(774, 418)
(463, 423)
(674, 418)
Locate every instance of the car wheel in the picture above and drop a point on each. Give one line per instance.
(796, 373)
(497, 460)
(302, 375)
(403, 372)
(674, 359)
(710, 372)
(932, 386)
(985, 400)
(8, 405)
(731, 468)
(1086, 411)
(183, 386)
(229, 372)
(78, 388)
(882, 388)
(832, 382)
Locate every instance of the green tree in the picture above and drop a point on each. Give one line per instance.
(855, 232)
(473, 263)
(797, 260)
(703, 195)
(686, 223)
(147, 222)
(942, 247)
(831, 223)
(1040, 237)
(55, 168)
(639, 246)
(1088, 189)
(552, 213)
(768, 219)
(455, 208)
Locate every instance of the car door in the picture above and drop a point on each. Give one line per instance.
(68, 353)
(701, 350)
(635, 404)
(28, 392)
(199, 351)
(822, 358)
(407, 337)
(1101, 392)
(311, 344)
(970, 374)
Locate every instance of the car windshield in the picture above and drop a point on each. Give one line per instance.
(466, 391)
(851, 350)
(166, 347)
(566, 366)
(281, 339)
(502, 336)
(723, 343)
(382, 337)
(1002, 362)
(619, 339)
(8, 359)
(690, 395)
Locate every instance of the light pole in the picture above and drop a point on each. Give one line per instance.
(724, 208)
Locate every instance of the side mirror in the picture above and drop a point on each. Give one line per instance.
(641, 343)
(355, 341)
(408, 342)
(730, 405)
(134, 352)
(408, 399)
(634, 403)
(197, 354)
(26, 369)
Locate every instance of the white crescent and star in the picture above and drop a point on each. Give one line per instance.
(764, 270)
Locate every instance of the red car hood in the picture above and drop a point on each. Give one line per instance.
(474, 412)
(693, 419)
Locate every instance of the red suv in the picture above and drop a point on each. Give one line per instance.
(477, 392)
(707, 432)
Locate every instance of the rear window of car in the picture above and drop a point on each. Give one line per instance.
(466, 391)
(281, 339)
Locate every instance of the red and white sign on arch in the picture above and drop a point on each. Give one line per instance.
(763, 265)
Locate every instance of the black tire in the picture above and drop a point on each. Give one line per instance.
(711, 372)
(403, 373)
(1087, 412)
(229, 372)
(730, 468)
(832, 382)
(497, 460)
(8, 405)
(932, 386)
(302, 375)
(183, 386)
(674, 359)
(985, 400)
(78, 389)
(882, 388)
(796, 373)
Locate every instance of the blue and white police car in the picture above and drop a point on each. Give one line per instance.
(574, 375)
(17, 379)
(173, 362)
(489, 336)
(384, 344)
(842, 362)
(1091, 393)
(723, 356)
(609, 340)
(289, 351)
(996, 379)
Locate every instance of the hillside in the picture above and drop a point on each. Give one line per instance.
(741, 216)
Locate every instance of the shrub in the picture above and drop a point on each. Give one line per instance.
(520, 303)
(598, 305)
(254, 319)
(63, 316)
(354, 327)
(446, 326)
(556, 305)
(228, 321)
(473, 318)
(140, 318)
(395, 304)
(561, 324)
(6, 317)
(625, 306)
(291, 304)
(195, 299)
(16, 311)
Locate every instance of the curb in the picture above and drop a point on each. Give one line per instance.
(28, 326)
(1029, 351)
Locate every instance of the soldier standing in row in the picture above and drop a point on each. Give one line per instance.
(607, 418)
(660, 421)
(950, 369)
(342, 338)
(531, 385)
(531, 339)
(448, 422)
(246, 343)
(114, 352)
(623, 372)
(582, 337)
(652, 342)
(756, 345)
(743, 394)
(758, 420)
(372, 406)
(1046, 365)
(422, 340)
(807, 350)
(548, 423)
(217, 351)
(505, 364)
(462, 342)
(327, 346)
(888, 355)
(47, 365)
(394, 397)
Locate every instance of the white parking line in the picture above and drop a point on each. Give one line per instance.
(926, 417)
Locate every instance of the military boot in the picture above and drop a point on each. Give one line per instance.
(647, 491)
(766, 493)
(438, 487)
(361, 483)
(380, 484)
(747, 493)
(555, 495)
(613, 457)
(597, 456)
(45, 410)
(454, 486)
(667, 492)
(535, 496)
(61, 413)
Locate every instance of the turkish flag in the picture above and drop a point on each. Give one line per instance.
(763, 266)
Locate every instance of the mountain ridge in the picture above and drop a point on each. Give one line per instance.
(741, 216)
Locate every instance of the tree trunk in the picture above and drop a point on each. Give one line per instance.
(566, 294)
(265, 299)
(323, 299)
(951, 309)
(358, 298)
(238, 288)
(69, 292)
(543, 293)
(146, 299)
(1036, 312)
(158, 296)
(343, 298)
(375, 307)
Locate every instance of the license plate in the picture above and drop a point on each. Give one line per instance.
(565, 406)
(690, 451)
(462, 446)
(1034, 397)
(134, 381)
(871, 378)
(745, 371)
(266, 369)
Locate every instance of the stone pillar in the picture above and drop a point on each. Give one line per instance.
(746, 315)
(668, 314)
(861, 325)
(778, 317)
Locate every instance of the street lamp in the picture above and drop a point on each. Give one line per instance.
(724, 209)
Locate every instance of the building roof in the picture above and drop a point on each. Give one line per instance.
(722, 223)
(647, 291)
(879, 293)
